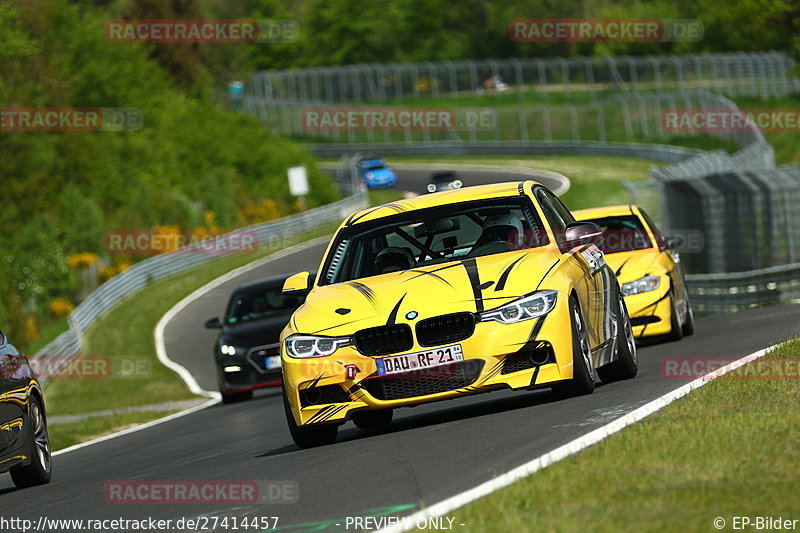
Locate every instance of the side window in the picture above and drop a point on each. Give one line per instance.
(660, 241)
(557, 223)
(560, 208)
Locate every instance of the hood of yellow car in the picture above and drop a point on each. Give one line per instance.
(630, 266)
(470, 285)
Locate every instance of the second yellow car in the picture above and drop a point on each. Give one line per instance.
(648, 269)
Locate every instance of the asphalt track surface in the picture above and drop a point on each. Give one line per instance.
(429, 452)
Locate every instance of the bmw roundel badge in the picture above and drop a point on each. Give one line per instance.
(411, 315)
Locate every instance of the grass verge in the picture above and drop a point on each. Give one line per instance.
(65, 435)
(728, 449)
(127, 330)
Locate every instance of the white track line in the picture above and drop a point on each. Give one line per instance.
(161, 349)
(181, 370)
(570, 448)
(146, 425)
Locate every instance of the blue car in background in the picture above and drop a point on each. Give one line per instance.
(376, 174)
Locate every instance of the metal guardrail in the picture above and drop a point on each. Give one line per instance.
(656, 152)
(713, 293)
(141, 274)
(759, 74)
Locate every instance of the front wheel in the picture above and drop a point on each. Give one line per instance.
(308, 436)
(626, 364)
(676, 331)
(39, 471)
(688, 325)
(583, 373)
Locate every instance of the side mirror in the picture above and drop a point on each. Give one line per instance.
(673, 241)
(297, 285)
(580, 233)
(213, 323)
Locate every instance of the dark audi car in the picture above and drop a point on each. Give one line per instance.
(247, 350)
(24, 444)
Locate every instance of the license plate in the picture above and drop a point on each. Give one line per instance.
(272, 362)
(419, 360)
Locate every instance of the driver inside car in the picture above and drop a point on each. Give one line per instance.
(393, 259)
(501, 233)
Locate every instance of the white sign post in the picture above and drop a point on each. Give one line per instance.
(298, 184)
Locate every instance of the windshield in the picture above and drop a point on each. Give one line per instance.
(622, 234)
(260, 303)
(373, 165)
(432, 236)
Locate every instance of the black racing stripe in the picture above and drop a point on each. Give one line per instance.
(354, 220)
(336, 326)
(493, 372)
(363, 289)
(354, 389)
(393, 315)
(396, 207)
(546, 273)
(316, 380)
(535, 375)
(333, 412)
(501, 283)
(666, 295)
(486, 285)
(471, 267)
(531, 343)
(426, 273)
(619, 270)
(320, 414)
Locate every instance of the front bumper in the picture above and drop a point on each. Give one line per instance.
(651, 312)
(249, 377)
(496, 356)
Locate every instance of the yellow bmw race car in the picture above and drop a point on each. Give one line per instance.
(449, 294)
(648, 268)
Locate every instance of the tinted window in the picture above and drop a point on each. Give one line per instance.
(622, 234)
(259, 303)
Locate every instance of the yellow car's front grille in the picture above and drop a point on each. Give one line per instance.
(424, 382)
(444, 329)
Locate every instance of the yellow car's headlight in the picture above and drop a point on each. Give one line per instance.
(305, 346)
(645, 284)
(528, 307)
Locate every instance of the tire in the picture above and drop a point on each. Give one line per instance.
(308, 436)
(41, 467)
(626, 363)
(676, 333)
(234, 397)
(688, 325)
(583, 372)
(373, 419)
